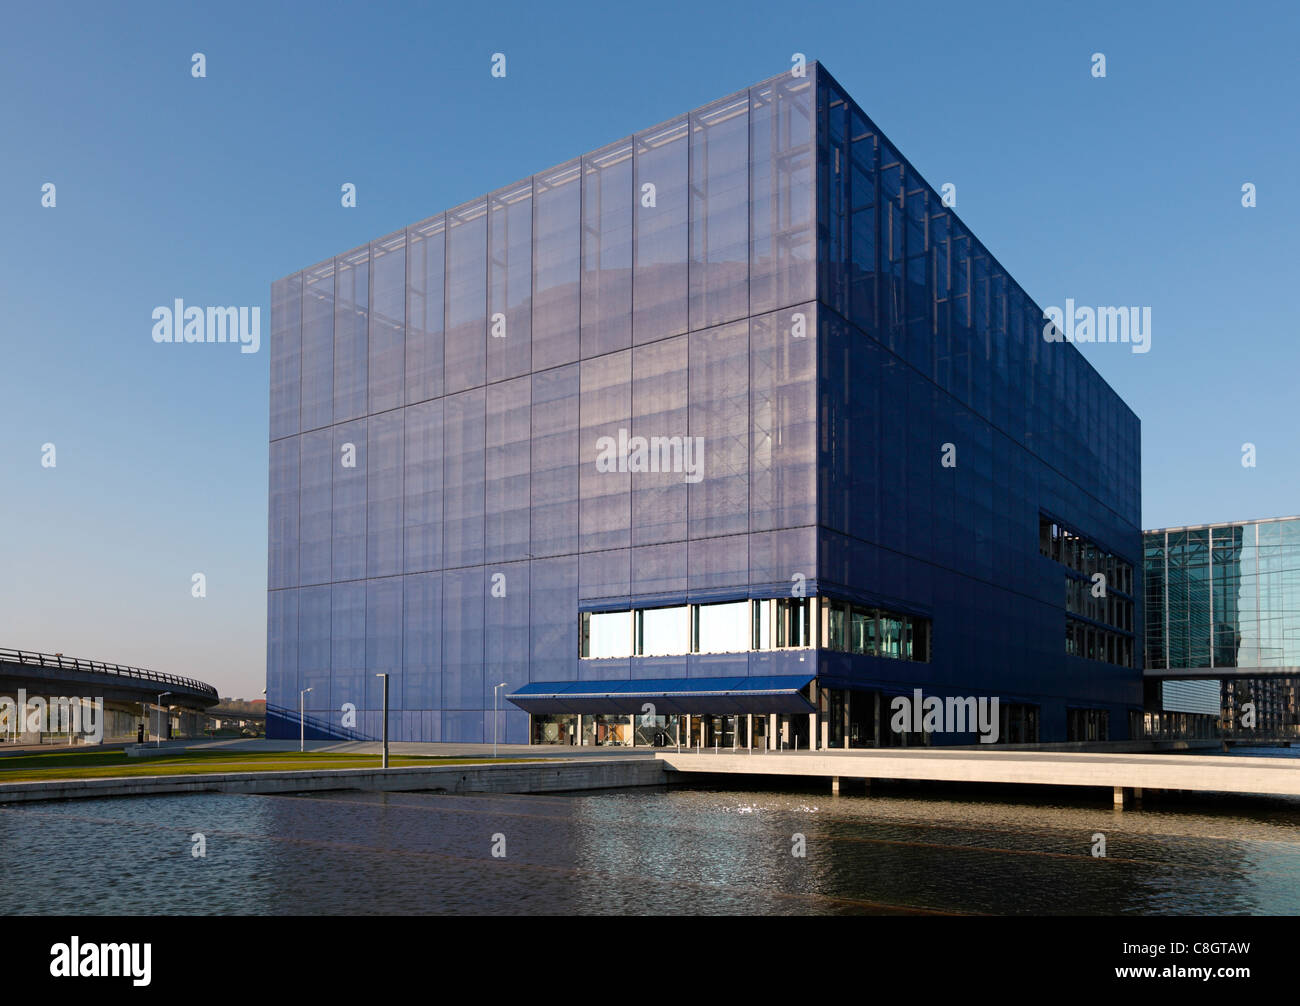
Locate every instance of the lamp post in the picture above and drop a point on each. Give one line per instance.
(302, 720)
(160, 698)
(495, 716)
(385, 677)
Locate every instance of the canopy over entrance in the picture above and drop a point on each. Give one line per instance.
(718, 696)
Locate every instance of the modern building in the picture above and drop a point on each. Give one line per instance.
(728, 432)
(1223, 629)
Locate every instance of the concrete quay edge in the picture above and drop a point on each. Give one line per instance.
(549, 776)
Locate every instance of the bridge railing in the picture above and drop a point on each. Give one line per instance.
(30, 658)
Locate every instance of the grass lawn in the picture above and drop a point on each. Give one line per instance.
(116, 763)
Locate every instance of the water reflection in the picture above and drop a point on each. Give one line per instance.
(647, 851)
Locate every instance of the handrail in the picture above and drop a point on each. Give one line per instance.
(34, 659)
(319, 723)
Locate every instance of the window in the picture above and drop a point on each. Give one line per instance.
(723, 628)
(863, 633)
(1097, 643)
(835, 628)
(854, 628)
(792, 625)
(1107, 601)
(915, 639)
(891, 635)
(1088, 725)
(763, 624)
(1019, 724)
(663, 631)
(606, 634)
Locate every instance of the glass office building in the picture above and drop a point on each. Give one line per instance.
(1223, 604)
(727, 433)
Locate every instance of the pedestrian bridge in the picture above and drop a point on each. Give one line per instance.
(52, 681)
(54, 674)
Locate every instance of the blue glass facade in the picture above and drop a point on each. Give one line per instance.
(460, 415)
(1224, 596)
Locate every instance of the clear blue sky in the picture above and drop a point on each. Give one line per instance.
(1122, 191)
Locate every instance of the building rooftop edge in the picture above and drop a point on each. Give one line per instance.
(815, 68)
(1223, 523)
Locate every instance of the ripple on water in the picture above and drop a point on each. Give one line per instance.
(645, 851)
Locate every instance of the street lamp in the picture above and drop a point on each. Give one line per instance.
(495, 717)
(160, 698)
(302, 720)
(385, 677)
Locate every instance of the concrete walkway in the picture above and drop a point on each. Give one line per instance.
(1124, 774)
